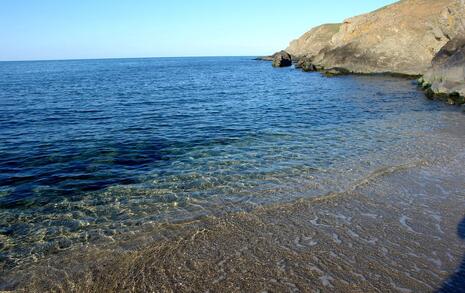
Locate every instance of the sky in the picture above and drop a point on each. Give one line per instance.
(83, 29)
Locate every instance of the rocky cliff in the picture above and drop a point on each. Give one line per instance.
(446, 78)
(313, 41)
(399, 38)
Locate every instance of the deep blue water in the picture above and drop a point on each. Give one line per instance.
(96, 146)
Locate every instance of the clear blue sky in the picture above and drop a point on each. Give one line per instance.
(68, 29)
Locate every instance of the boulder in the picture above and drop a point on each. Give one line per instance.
(282, 59)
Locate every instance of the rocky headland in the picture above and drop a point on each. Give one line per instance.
(416, 38)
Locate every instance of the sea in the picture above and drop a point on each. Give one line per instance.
(93, 151)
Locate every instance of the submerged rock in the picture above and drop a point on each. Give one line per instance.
(336, 71)
(282, 59)
(400, 38)
(446, 78)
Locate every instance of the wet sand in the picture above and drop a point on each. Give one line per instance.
(396, 231)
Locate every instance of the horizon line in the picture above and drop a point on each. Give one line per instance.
(118, 58)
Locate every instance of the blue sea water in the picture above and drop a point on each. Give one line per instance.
(94, 148)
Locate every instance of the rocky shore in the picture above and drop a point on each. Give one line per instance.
(415, 38)
(446, 78)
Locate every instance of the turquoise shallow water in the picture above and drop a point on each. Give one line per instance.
(93, 149)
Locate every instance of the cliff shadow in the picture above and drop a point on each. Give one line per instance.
(456, 282)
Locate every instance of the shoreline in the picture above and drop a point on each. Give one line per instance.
(394, 230)
(331, 243)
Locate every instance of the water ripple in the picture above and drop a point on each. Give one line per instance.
(98, 147)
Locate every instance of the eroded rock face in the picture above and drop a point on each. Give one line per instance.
(446, 78)
(399, 38)
(282, 59)
(313, 41)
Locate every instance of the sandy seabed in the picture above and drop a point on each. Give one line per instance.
(399, 230)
